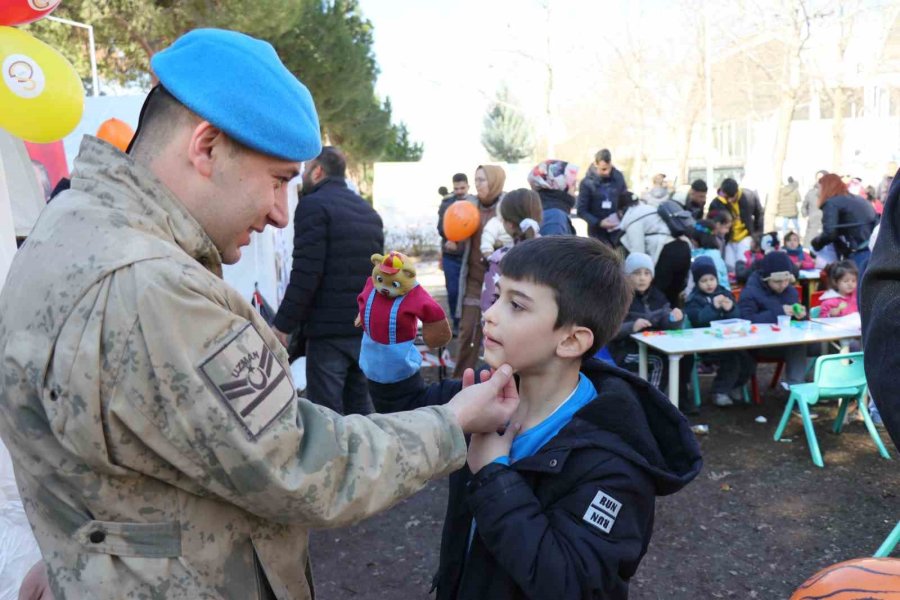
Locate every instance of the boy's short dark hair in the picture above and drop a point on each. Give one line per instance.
(729, 188)
(587, 279)
(332, 162)
(460, 178)
(720, 217)
(699, 186)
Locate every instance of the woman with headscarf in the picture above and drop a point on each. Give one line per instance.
(847, 222)
(554, 180)
(489, 180)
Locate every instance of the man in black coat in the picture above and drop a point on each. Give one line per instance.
(878, 306)
(598, 196)
(335, 234)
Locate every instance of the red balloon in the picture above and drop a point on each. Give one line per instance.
(461, 221)
(20, 12)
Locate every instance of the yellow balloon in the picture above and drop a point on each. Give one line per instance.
(41, 96)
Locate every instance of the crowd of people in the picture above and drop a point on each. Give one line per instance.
(161, 448)
(669, 241)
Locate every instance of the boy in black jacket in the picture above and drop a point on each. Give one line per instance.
(709, 301)
(649, 310)
(561, 504)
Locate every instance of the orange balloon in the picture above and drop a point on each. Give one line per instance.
(854, 579)
(116, 132)
(461, 221)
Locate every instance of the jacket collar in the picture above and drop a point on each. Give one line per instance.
(119, 183)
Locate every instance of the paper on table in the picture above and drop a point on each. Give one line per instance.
(851, 321)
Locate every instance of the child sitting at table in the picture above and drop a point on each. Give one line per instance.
(705, 243)
(768, 294)
(649, 310)
(710, 301)
(799, 256)
(840, 300)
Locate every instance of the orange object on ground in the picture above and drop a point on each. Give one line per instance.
(853, 580)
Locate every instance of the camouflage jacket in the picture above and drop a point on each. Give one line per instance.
(158, 444)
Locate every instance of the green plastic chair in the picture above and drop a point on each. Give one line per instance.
(889, 543)
(836, 376)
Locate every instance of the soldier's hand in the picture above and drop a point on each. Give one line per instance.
(282, 336)
(36, 585)
(487, 406)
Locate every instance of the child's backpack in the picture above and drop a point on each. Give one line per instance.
(678, 219)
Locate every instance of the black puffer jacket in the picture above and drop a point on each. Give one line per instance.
(847, 222)
(335, 234)
(534, 538)
(879, 307)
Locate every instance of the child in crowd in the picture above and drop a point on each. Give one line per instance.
(521, 213)
(494, 235)
(723, 222)
(705, 243)
(649, 310)
(561, 504)
(769, 293)
(744, 268)
(840, 300)
(710, 301)
(799, 256)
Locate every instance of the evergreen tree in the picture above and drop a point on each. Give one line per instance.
(505, 134)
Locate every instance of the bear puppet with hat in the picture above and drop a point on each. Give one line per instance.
(390, 307)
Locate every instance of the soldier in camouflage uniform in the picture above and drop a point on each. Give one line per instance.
(159, 446)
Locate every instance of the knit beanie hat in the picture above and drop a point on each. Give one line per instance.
(638, 260)
(703, 265)
(776, 263)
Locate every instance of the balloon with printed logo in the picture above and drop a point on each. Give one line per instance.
(461, 221)
(19, 12)
(41, 96)
(116, 132)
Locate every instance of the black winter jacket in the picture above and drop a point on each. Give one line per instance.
(335, 234)
(760, 304)
(653, 306)
(534, 536)
(847, 222)
(748, 206)
(598, 197)
(879, 306)
(700, 311)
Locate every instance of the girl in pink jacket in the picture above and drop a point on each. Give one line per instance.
(840, 300)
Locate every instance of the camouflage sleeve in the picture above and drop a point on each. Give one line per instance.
(208, 393)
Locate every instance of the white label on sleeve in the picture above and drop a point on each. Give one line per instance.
(602, 512)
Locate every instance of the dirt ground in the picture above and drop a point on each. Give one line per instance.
(758, 520)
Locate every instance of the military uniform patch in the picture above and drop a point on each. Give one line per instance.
(249, 379)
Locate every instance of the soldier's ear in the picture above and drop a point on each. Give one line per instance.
(376, 259)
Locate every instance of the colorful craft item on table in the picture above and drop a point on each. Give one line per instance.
(797, 309)
(461, 221)
(116, 132)
(41, 96)
(20, 12)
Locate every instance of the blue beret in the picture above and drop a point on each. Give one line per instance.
(239, 84)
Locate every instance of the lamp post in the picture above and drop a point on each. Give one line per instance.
(95, 83)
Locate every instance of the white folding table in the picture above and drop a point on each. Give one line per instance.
(702, 340)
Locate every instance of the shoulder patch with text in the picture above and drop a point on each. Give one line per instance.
(249, 378)
(602, 512)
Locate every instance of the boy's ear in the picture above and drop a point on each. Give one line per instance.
(574, 345)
